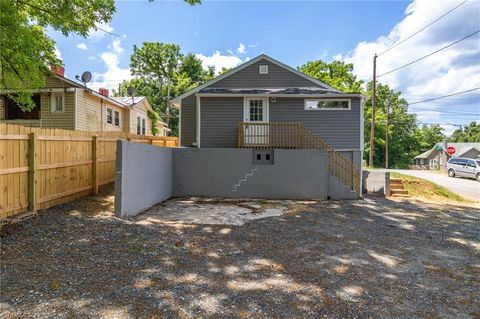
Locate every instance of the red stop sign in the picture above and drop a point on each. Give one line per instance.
(451, 150)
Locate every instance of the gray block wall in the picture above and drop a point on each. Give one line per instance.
(143, 177)
(295, 174)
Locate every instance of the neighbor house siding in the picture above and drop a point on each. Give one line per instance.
(188, 124)
(219, 121)
(338, 128)
(89, 112)
(63, 120)
(473, 153)
(277, 76)
(140, 110)
(52, 82)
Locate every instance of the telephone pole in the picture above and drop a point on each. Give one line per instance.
(372, 128)
(386, 135)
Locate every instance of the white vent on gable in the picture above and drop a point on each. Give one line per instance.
(263, 69)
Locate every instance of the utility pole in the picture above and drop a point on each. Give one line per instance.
(386, 135)
(374, 92)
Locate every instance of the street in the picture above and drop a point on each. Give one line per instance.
(467, 188)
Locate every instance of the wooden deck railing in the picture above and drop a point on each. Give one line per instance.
(288, 135)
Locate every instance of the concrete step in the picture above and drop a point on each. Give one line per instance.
(396, 186)
(398, 192)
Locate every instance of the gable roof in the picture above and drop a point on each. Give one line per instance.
(461, 148)
(246, 64)
(127, 100)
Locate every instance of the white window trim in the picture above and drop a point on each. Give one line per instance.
(106, 116)
(264, 67)
(53, 105)
(142, 118)
(246, 108)
(119, 118)
(328, 100)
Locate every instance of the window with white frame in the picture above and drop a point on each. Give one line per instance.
(141, 126)
(117, 118)
(327, 104)
(144, 129)
(263, 69)
(109, 115)
(57, 102)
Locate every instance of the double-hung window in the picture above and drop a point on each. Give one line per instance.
(327, 104)
(109, 115)
(117, 118)
(141, 126)
(57, 102)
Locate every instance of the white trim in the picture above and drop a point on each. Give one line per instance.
(243, 66)
(246, 109)
(263, 69)
(179, 127)
(119, 118)
(53, 106)
(75, 107)
(328, 100)
(199, 119)
(312, 96)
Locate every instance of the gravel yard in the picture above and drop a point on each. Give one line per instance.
(374, 258)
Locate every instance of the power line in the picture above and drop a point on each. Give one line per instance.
(440, 111)
(444, 96)
(430, 54)
(414, 34)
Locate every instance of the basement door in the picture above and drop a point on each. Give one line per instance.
(256, 129)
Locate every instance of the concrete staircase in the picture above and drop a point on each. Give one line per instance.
(397, 189)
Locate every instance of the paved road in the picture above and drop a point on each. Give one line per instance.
(467, 188)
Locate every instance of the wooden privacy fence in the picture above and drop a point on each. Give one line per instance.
(42, 167)
(288, 135)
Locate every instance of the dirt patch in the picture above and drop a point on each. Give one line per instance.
(371, 258)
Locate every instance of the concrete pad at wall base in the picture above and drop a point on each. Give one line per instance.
(143, 177)
(231, 172)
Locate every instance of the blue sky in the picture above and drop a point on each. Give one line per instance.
(226, 33)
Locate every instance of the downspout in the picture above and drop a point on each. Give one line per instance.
(101, 115)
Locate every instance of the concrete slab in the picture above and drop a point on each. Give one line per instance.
(208, 211)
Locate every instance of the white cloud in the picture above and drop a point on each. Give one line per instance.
(253, 45)
(219, 61)
(114, 73)
(241, 48)
(100, 33)
(58, 54)
(82, 46)
(451, 70)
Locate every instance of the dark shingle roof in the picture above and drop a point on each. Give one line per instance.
(290, 90)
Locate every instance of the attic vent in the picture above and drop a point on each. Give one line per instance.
(263, 69)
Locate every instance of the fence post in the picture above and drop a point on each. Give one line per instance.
(95, 163)
(32, 171)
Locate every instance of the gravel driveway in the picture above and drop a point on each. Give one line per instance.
(371, 258)
(467, 188)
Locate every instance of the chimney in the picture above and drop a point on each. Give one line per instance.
(103, 91)
(58, 70)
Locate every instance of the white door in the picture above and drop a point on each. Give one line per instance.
(256, 112)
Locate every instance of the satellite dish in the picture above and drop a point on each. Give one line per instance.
(86, 77)
(131, 91)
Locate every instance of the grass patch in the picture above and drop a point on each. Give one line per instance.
(419, 187)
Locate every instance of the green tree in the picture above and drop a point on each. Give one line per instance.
(467, 134)
(337, 74)
(427, 136)
(26, 52)
(161, 72)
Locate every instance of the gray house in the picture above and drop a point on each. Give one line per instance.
(265, 104)
(437, 157)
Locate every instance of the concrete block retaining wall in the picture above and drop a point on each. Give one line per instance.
(147, 175)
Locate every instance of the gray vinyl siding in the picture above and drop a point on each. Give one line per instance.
(219, 121)
(341, 129)
(188, 121)
(473, 153)
(277, 76)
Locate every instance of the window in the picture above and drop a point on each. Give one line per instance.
(57, 102)
(109, 115)
(263, 69)
(139, 125)
(329, 104)
(13, 111)
(117, 118)
(471, 163)
(143, 127)
(458, 161)
(256, 110)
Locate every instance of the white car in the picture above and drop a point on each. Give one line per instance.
(464, 167)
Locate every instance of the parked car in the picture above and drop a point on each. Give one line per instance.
(465, 167)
